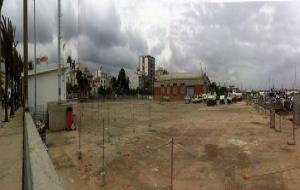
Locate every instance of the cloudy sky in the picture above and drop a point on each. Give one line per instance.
(249, 44)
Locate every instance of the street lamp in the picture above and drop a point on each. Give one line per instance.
(59, 56)
(34, 34)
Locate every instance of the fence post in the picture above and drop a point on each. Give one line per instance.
(132, 117)
(79, 155)
(272, 118)
(172, 163)
(1, 112)
(276, 128)
(150, 115)
(293, 142)
(103, 181)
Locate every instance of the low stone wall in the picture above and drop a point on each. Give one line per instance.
(39, 172)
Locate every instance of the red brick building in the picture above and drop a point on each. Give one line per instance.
(175, 86)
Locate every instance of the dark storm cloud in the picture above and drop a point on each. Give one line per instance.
(45, 22)
(103, 29)
(235, 42)
(103, 42)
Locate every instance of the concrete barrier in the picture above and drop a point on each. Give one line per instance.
(39, 172)
(57, 115)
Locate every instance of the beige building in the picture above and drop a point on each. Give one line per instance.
(176, 86)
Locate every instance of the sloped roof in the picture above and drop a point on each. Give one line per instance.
(180, 76)
(42, 69)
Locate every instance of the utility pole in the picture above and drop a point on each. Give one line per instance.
(80, 119)
(150, 115)
(172, 154)
(25, 51)
(35, 62)
(1, 95)
(59, 52)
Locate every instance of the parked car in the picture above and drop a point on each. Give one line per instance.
(197, 99)
(211, 100)
(187, 99)
(222, 99)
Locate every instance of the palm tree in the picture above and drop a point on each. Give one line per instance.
(14, 67)
(17, 79)
(1, 3)
(7, 40)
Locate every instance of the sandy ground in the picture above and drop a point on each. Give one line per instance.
(213, 148)
(11, 153)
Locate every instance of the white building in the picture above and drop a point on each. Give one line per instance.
(134, 81)
(145, 71)
(100, 79)
(46, 85)
(147, 66)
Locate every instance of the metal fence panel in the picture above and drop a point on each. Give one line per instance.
(296, 110)
(40, 113)
(272, 118)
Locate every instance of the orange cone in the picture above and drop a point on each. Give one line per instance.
(245, 176)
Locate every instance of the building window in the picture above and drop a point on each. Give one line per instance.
(182, 89)
(168, 90)
(175, 90)
(162, 85)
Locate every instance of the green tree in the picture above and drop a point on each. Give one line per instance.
(101, 91)
(114, 84)
(18, 80)
(30, 65)
(83, 83)
(1, 3)
(70, 84)
(123, 83)
(212, 87)
(69, 88)
(8, 47)
(223, 90)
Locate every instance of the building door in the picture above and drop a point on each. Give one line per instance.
(190, 91)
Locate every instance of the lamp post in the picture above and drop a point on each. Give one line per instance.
(1, 96)
(59, 55)
(25, 51)
(34, 34)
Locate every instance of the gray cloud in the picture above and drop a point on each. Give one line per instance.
(237, 43)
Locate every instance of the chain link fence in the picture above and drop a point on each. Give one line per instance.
(40, 113)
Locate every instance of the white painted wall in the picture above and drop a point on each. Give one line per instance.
(146, 66)
(134, 81)
(47, 88)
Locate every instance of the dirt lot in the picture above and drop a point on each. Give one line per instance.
(214, 147)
